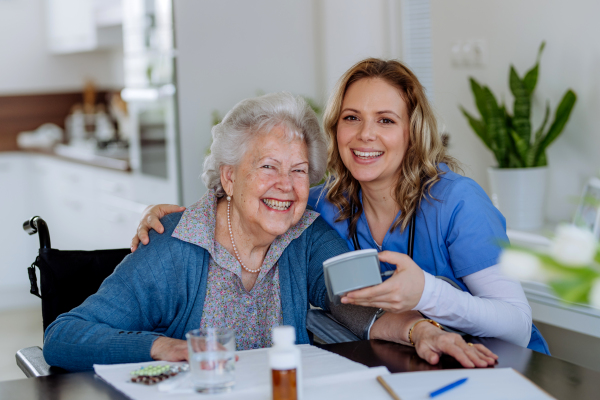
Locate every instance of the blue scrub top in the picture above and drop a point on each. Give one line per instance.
(458, 231)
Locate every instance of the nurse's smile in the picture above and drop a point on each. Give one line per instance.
(366, 156)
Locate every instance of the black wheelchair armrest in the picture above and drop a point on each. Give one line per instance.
(32, 363)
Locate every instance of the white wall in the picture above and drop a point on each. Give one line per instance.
(26, 66)
(227, 51)
(513, 31)
(352, 30)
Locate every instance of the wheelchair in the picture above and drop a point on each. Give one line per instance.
(68, 277)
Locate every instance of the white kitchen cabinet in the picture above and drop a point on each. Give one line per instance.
(83, 25)
(86, 208)
(17, 250)
(70, 25)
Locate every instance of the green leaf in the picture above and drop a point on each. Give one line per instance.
(540, 131)
(492, 126)
(541, 160)
(541, 49)
(521, 145)
(514, 161)
(507, 117)
(522, 106)
(532, 154)
(574, 290)
(531, 77)
(496, 128)
(530, 160)
(550, 263)
(479, 95)
(478, 126)
(563, 112)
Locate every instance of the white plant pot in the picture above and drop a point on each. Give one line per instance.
(520, 195)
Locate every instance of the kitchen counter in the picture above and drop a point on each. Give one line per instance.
(82, 157)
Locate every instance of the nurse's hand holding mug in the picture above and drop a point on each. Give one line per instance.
(399, 293)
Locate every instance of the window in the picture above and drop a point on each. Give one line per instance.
(417, 49)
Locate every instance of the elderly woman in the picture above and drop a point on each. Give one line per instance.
(247, 256)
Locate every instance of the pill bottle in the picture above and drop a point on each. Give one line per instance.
(285, 362)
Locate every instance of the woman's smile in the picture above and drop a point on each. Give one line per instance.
(278, 205)
(366, 156)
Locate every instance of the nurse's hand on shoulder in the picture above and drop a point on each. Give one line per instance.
(400, 293)
(151, 220)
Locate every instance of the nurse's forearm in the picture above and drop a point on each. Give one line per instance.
(498, 307)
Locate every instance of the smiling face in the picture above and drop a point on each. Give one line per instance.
(270, 185)
(373, 131)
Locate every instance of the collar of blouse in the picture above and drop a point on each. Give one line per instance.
(197, 226)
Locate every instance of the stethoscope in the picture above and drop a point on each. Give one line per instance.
(411, 248)
(411, 236)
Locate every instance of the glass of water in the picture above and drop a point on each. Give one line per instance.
(212, 359)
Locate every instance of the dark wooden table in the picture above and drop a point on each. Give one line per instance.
(561, 379)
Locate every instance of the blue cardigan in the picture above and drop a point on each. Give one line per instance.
(159, 291)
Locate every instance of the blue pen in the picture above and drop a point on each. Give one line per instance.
(448, 387)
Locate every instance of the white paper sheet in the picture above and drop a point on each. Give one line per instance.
(326, 375)
(489, 384)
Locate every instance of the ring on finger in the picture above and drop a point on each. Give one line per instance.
(470, 344)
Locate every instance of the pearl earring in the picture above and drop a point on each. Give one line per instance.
(228, 198)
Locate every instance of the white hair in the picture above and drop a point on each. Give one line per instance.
(252, 117)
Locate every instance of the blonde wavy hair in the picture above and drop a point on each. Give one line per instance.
(418, 171)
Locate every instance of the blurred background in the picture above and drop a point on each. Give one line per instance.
(106, 106)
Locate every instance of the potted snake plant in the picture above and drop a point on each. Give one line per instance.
(519, 180)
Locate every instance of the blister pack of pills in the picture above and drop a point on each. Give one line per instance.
(153, 374)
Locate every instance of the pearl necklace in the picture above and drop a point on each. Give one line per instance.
(252, 271)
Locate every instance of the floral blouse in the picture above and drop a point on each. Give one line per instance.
(252, 314)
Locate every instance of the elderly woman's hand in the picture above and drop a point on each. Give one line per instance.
(400, 293)
(168, 349)
(151, 220)
(430, 341)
